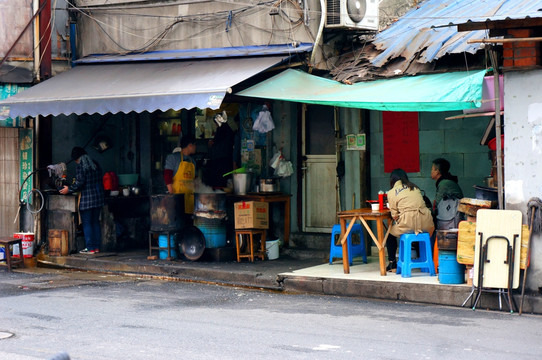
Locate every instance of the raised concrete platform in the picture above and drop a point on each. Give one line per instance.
(293, 275)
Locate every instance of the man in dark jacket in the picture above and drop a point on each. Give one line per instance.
(447, 190)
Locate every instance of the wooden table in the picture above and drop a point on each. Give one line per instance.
(380, 240)
(270, 198)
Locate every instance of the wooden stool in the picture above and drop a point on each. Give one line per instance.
(7, 242)
(251, 253)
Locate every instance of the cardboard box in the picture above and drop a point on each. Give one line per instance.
(251, 215)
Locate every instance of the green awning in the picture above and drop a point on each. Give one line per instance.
(435, 92)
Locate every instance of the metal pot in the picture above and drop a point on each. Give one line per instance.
(210, 202)
(241, 183)
(269, 185)
(210, 205)
(167, 212)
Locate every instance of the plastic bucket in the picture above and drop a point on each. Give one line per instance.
(449, 270)
(162, 244)
(272, 249)
(28, 244)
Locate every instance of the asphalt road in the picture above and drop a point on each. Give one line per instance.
(96, 316)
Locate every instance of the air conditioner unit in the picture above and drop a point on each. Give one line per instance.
(352, 14)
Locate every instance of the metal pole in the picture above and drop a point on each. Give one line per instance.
(498, 126)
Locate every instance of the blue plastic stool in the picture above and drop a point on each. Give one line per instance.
(424, 262)
(354, 250)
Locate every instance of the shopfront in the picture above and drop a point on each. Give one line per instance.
(129, 117)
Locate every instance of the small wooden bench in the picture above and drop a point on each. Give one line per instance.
(251, 251)
(7, 243)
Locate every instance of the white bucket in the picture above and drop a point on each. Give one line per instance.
(28, 244)
(272, 249)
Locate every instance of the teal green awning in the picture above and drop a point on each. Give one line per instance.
(435, 92)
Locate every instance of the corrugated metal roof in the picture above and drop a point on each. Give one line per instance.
(430, 30)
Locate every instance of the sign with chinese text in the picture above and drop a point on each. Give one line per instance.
(26, 161)
(401, 141)
(7, 90)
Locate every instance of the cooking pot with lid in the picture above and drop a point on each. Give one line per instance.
(269, 185)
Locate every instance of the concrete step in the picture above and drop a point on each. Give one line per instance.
(305, 254)
(313, 241)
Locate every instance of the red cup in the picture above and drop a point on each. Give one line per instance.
(382, 199)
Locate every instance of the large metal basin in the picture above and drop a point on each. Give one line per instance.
(167, 212)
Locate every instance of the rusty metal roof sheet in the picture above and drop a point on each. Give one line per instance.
(429, 32)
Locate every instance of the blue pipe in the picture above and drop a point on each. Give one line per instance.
(73, 47)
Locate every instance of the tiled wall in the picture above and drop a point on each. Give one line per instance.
(458, 141)
(9, 180)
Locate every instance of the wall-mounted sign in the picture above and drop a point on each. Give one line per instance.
(401, 141)
(7, 90)
(26, 161)
(355, 142)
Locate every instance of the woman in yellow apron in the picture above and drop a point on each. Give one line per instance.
(181, 164)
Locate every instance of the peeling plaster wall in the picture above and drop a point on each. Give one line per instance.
(523, 152)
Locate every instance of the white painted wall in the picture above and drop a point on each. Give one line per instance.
(523, 152)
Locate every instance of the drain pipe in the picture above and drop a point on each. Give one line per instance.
(73, 49)
(319, 35)
(35, 8)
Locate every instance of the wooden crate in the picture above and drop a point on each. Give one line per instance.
(466, 237)
(58, 242)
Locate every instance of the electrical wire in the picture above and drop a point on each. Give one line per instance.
(24, 181)
(195, 19)
(42, 203)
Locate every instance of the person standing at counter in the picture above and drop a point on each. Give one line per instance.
(180, 172)
(408, 210)
(448, 190)
(88, 181)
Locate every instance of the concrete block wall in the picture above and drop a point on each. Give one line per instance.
(458, 141)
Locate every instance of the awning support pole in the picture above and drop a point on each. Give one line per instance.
(498, 127)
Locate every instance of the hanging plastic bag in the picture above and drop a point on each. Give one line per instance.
(264, 122)
(284, 169)
(274, 162)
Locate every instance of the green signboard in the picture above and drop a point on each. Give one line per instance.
(7, 90)
(26, 144)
